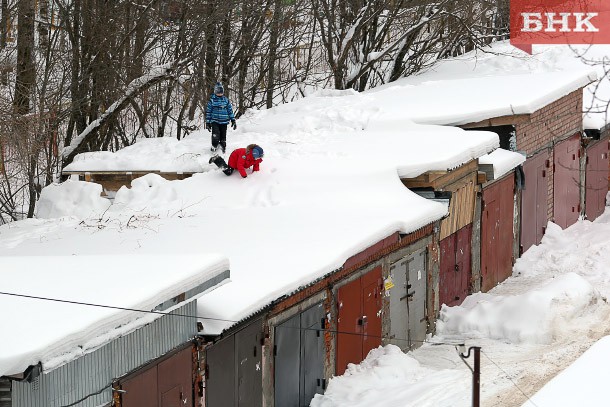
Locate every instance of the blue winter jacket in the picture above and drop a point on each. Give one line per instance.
(219, 110)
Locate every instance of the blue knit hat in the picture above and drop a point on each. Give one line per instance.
(257, 152)
(218, 88)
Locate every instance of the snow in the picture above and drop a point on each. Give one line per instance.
(530, 328)
(71, 198)
(54, 333)
(487, 96)
(507, 72)
(329, 185)
(503, 161)
(328, 188)
(589, 374)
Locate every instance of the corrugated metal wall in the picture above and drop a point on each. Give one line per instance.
(5, 393)
(86, 381)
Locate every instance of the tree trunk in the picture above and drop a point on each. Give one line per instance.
(25, 77)
(273, 41)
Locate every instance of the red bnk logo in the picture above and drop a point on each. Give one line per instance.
(559, 22)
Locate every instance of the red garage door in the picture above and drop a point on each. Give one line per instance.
(534, 199)
(455, 269)
(566, 197)
(596, 179)
(497, 232)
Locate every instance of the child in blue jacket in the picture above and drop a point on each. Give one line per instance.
(217, 115)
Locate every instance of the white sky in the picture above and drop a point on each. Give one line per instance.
(329, 159)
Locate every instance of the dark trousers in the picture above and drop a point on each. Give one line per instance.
(219, 136)
(220, 163)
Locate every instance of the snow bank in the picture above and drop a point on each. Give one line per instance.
(71, 198)
(385, 371)
(165, 154)
(531, 317)
(583, 383)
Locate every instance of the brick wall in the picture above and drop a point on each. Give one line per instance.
(546, 127)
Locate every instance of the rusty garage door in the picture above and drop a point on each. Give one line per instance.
(497, 232)
(566, 197)
(455, 267)
(408, 323)
(596, 179)
(299, 358)
(534, 199)
(358, 319)
(167, 383)
(234, 369)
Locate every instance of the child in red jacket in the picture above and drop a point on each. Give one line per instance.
(240, 159)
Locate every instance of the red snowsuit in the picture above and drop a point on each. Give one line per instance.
(239, 160)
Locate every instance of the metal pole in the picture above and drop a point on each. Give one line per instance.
(476, 378)
(476, 372)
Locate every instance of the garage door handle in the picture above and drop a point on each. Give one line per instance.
(409, 296)
(362, 321)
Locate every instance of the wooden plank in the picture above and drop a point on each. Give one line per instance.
(438, 180)
(461, 209)
(499, 121)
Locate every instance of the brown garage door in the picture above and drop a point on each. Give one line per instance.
(167, 383)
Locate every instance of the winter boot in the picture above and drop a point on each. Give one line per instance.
(219, 161)
(215, 142)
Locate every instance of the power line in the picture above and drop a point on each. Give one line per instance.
(509, 378)
(335, 331)
(34, 297)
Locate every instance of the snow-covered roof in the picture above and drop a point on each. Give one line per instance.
(53, 333)
(495, 81)
(329, 187)
(462, 101)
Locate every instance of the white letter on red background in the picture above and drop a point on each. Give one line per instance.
(580, 22)
(550, 22)
(529, 20)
